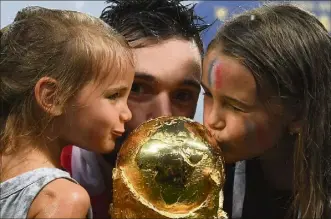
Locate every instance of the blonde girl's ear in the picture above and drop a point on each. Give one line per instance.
(46, 95)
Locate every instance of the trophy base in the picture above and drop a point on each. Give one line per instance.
(128, 205)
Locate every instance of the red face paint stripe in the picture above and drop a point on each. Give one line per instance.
(218, 76)
(214, 74)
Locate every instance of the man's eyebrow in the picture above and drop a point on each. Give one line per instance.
(195, 67)
(144, 76)
(192, 83)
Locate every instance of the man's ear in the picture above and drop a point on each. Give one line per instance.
(45, 92)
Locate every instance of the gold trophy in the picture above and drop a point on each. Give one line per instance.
(169, 167)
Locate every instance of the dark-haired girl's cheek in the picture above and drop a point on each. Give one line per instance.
(257, 135)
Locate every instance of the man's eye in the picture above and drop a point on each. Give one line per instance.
(114, 96)
(141, 89)
(137, 88)
(183, 96)
(207, 93)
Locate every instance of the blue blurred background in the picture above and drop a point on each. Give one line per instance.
(210, 10)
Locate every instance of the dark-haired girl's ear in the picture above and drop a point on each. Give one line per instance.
(45, 92)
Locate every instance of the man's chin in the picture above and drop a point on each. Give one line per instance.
(112, 156)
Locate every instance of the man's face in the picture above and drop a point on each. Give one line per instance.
(166, 81)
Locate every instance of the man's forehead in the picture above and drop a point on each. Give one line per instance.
(170, 58)
(173, 47)
(155, 79)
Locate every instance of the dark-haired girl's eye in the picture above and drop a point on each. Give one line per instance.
(235, 108)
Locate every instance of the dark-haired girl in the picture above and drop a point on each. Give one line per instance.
(267, 82)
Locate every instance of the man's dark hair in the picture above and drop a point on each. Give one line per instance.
(146, 21)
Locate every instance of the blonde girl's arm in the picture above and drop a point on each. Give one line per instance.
(60, 199)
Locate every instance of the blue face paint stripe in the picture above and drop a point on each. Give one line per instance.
(250, 129)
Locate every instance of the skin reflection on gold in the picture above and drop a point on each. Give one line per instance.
(169, 167)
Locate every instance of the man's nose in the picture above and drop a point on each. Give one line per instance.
(163, 105)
